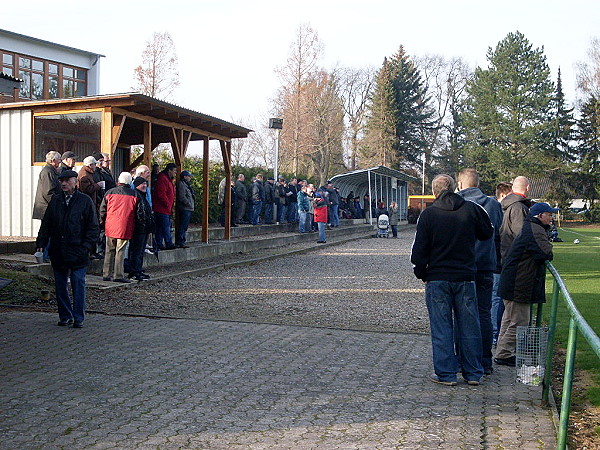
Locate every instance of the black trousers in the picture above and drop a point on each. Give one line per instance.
(137, 245)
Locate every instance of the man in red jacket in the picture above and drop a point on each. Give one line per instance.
(117, 218)
(163, 198)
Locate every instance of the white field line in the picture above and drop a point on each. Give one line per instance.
(579, 234)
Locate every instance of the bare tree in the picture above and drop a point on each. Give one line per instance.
(326, 151)
(355, 88)
(297, 73)
(158, 75)
(588, 75)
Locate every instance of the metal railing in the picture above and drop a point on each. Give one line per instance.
(576, 324)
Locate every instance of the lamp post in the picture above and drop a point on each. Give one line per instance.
(276, 124)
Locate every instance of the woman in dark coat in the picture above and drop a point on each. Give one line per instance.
(523, 277)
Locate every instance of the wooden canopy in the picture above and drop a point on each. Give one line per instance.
(136, 119)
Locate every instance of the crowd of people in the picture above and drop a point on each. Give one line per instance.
(295, 201)
(483, 261)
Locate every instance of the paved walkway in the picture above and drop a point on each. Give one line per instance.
(124, 382)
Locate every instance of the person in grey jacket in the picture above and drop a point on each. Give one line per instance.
(485, 255)
(516, 207)
(48, 185)
(241, 196)
(186, 203)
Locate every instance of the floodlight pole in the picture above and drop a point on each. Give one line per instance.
(277, 125)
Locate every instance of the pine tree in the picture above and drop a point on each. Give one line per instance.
(587, 175)
(399, 118)
(508, 118)
(564, 123)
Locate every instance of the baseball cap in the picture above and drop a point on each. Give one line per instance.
(66, 155)
(539, 208)
(139, 180)
(67, 174)
(185, 173)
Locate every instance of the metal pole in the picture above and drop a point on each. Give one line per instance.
(550, 345)
(370, 198)
(276, 171)
(565, 408)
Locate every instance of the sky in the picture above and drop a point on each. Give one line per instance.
(228, 50)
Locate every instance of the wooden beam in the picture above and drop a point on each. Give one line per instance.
(117, 128)
(205, 186)
(106, 133)
(226, 152)
(167, 123)
(147, 155)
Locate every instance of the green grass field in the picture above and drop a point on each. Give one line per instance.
(579, 267)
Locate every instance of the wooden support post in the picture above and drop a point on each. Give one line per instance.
(205, 186)
(226, 152)
(106, 133)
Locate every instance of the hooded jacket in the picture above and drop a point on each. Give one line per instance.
(486, 251)
(523, 275)
(73, 229)
(444, 246)
(516, 207)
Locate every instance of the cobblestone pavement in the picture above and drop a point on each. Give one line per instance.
(124, 382)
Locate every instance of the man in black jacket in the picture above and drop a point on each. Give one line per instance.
(241, 196)
(443, 256)
(269, 200)
(522, 281)
(72, 224)
(144, 225)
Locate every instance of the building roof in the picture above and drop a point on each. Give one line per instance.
(361, 176)
(140, 108)
(49, 43)
(8, 77)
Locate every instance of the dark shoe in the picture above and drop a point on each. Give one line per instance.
(511, 361)
(435, 379)
(65, 323)
(144, 276)
(161, 247)
(170, 247)
(183, 246)
(78, 325)
(472, 382)
(106, 279)
(488, 370)
(121, 280)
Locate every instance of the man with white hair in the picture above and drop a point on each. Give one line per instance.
(117, 219)
(47, 187)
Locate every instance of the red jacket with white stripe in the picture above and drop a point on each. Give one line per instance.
(118, 212)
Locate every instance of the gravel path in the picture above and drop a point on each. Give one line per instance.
(365, 284)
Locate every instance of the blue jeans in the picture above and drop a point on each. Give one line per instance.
(449, 302)
(281, 213)
(66, 311)
(184, 223)
(292, 212)
(497, 308)
(484, 281)
(334, 215)
(321, 226)
(255, 210)
(302, 221)
(268, 213)
(163, 230)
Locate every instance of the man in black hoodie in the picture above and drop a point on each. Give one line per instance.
(443, 256)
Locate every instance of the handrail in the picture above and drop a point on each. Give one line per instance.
(576, 323)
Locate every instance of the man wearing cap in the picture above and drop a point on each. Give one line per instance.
(85, 178)
(269, 200)
(117, 217)
(68, 161)
(163, 199)
(522, 281)
(186, 203)
(144, 225)
(72, 224)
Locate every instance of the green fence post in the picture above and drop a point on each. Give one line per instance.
(565, 407)
(550, 347)
(538, 317)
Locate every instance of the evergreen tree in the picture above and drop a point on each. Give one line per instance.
(399, 117)
(508, 117)
(587, 175)
(564, 122)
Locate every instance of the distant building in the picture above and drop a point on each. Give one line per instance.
(47, 70)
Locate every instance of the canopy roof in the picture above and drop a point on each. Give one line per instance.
(358, 180)
(143, 108)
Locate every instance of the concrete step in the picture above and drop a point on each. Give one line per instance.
(243, 243)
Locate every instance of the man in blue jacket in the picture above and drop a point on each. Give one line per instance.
(486, 258)
(443, 256)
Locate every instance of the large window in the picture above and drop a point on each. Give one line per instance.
(77, 132)
(44, 79)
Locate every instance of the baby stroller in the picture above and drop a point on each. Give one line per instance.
(383, 226)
